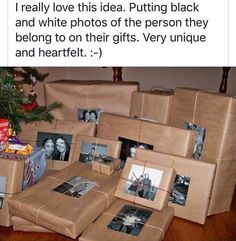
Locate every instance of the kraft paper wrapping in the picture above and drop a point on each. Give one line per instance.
(106, 169)
(161, 197)
(165, 138)
(11, 177)
(61, 213)
(20, 224)
(114, 97)
(30, 132)
(153, 230)
(152, 105)
(201, 176)
(113, 147)
(216, 113)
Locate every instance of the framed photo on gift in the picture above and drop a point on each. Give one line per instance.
(130, 220)
(90, 151)
(57, 146)
(89, 115)
(89, 148)
(145, 183)
(128, 148)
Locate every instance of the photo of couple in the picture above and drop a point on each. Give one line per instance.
(56, 146)
(89, 115)
(143, 182)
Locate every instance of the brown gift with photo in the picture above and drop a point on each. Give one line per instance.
(147, 184)
(129, 222)
(76, 187)
(163, 138)
(154, 105)
(191, 193)
(96, 96)
(217, 114)
(102, 154)
(58, 139)
(11, 178)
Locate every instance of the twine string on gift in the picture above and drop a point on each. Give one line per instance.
(136, 221)
(195, 106)
(63, 193)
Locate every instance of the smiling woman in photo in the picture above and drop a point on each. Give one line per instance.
(62, 149)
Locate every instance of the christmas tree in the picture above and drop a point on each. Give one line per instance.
(16, 107)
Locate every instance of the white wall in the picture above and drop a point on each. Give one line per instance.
(203, 78)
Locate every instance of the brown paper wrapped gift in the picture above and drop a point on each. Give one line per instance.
(31, 134)
(152, 105)
(114, 97)
(216, 113)
(152, 227)
(20, 224)
(11, 177)
(164, 138)
(102, 147)
(98, 165)
(58, 202)
(194, 178)
(147, 184)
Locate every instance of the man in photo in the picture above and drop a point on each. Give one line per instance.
(91, 156)
(85, 116)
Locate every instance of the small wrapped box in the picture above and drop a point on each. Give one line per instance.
(17, 174)
(190, 195)
(58, 139)
(70, 201)
(134, 133)
(88, 98)
(152, 105)
(106, 165)
(145, 183)
(216, 113)
(129, 222)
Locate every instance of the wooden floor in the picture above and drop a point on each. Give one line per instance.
(221, 227)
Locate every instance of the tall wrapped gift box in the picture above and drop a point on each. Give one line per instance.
(37, 133)
(190, 195)
(70, 201)
(217, 114)
(152, 105)
(129, 222)
(114, 97)
(17, 173)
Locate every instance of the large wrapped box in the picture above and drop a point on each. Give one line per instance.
(58, 139)
(191, 192)
(145, 183)
(152, 105)
(129, 222)
(217, 114)
(20, 224)
(137, 133)
(94, 96)
(16, 175)
(70, 201)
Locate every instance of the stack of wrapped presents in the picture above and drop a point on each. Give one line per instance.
(118, 163)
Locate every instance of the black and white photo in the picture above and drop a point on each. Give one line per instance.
(89, 115)
(76, 187)
(128, 148)
(90, 151)
(56, 146)
(179, 192)
(199, 140)
(130, 220)
(143, 182)
(1, 200)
